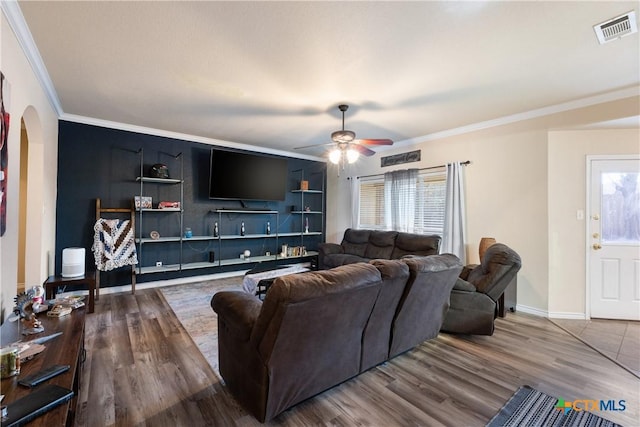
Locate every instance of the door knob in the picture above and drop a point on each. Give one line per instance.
(597, 246)
(596, 235)
(596, 217)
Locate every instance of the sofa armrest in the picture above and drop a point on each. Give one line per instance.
(330, 248)
(463, 285)
(239, 310)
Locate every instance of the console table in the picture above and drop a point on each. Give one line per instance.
(89, 278)
(66, 349)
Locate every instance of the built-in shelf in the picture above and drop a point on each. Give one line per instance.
(308, 191)
(304, 222)
(308, 212)
(159, 210)
(245, 211)
(178, 193)
(223, 262)
(158, 180)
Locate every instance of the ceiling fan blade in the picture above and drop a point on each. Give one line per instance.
(374, 141)
(313, 146)
(362, 149)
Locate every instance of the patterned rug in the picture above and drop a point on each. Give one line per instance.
(531, 408)
(191, 302)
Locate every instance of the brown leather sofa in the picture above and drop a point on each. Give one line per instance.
(365, 245)
(317, 329)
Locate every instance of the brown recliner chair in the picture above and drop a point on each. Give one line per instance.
(474, 298)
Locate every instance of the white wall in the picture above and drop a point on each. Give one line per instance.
(567, 194)
(28, 101)
(507, 193)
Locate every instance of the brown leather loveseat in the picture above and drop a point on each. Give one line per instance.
(317, 329)
(365, 245)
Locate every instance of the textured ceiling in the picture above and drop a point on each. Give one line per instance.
(271, 74)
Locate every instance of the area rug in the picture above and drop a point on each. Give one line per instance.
(529, 407)
(191, 302)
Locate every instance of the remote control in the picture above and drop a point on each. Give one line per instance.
(35, 404)
(43, 375)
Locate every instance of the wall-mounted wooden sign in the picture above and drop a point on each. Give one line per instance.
(397, 159)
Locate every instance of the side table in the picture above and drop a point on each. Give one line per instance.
(51, 284)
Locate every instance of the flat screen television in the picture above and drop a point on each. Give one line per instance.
(242, 176)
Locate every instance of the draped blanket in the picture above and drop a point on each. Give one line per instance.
(113, 244)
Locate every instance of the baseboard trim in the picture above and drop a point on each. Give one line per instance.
(532, 310)
(163, 283)
(157, 283)
(568, 315)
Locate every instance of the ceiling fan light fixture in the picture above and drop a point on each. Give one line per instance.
(343, 136)
(334, 156)
(352, 155)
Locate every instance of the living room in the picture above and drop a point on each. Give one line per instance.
(524, 186)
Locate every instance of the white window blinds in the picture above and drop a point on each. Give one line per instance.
(427, 211)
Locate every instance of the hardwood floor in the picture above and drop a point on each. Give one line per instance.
(142, 369)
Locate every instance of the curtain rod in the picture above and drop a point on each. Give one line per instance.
(465, 163)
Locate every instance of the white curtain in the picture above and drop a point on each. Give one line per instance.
(354, 191)
(400, 188)
(453, 239)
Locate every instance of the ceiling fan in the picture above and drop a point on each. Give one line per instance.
(347, 147)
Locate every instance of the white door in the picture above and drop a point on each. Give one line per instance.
(614, 238)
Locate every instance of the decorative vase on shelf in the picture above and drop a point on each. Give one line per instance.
(485, 242)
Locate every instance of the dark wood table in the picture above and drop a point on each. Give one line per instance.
(66, 349)
(89, 278)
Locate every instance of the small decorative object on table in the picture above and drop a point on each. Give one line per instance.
(9, 362)
(24, 309)
(59, 310)
(154, 235)
(143, 202)
(304, 185)
(159, 171)
(169, 205)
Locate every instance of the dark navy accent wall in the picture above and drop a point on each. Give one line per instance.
(97, 162)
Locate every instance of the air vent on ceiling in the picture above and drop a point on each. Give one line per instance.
(616, 28)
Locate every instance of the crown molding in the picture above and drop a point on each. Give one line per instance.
(528, 115)
(19, 26)
(183, 136)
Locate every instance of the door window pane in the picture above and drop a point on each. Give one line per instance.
(620, 207)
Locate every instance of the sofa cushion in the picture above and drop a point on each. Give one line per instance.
(355, 241)
(305, 335)
(381, 244)
(425, 300)
(415, 244)
(377, 335)
(337, 260)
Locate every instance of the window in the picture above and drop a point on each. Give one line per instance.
(428, 210)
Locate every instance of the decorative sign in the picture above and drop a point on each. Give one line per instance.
(397, 159)
(4, 148)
